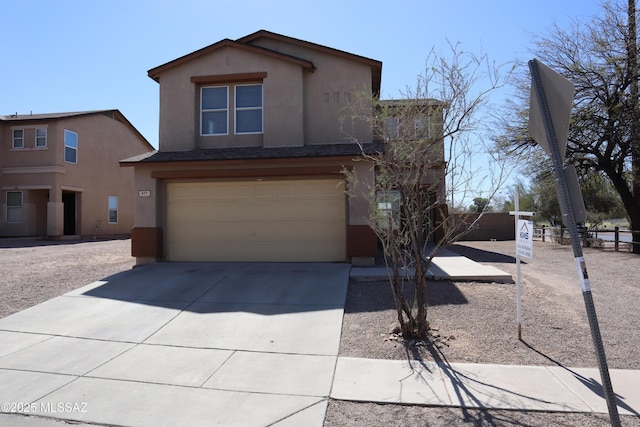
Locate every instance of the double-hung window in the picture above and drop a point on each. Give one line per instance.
(18, 138)
(248, 110)
(215, 110)
(41, 137)
(14, 207)
(423, 127)
(391, 128)
(70, 146)
(113, 209)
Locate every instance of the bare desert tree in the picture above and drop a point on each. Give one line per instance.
(429, 143)
(600, 57)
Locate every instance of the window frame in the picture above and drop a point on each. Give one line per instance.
(391, 128)
(66, 132)
(388, 205)
(17, 208)
(37, 137)
(14, 139)
(236, 109)
(214, 110)
(111, 209)
(422, 126)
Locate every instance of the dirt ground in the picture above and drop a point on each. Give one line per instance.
(34, 271)
(477, 322)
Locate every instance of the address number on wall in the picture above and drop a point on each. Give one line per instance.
(144, 193)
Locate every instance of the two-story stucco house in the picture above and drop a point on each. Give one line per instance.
(254, 136)
(60, 176)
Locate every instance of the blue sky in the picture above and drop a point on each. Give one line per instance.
(76, 55)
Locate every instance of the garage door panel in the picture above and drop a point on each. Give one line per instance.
(298, 220)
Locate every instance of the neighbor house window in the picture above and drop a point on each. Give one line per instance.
(14, 206)
(391, 128)
(18, 138)
(41, 137)
(214, 110)
(388, 208)
(248, 110)
(70, 146)
(113, 209)
(423, 127)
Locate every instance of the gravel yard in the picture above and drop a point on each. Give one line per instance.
(34, 271)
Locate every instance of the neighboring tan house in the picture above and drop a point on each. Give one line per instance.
(419, 122)
(60, 177)
(255, 135)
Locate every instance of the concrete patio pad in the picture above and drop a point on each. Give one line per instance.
(447, 265)
(181, 344)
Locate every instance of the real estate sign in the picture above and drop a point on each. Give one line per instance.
(524, 238)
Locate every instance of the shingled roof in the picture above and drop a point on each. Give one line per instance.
(249, 153)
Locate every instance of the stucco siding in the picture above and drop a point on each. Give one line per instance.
(180, 102)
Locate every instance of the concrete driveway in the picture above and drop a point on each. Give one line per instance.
(179, 344)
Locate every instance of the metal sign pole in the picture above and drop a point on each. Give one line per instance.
(518, 274)
(570, 222)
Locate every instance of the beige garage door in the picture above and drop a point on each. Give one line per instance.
(294, 220)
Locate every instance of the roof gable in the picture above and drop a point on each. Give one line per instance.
(246, 43)
(154, 73)
(113, 114)
(376, 66)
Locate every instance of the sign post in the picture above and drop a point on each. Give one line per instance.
(524, 247)
(549, 113)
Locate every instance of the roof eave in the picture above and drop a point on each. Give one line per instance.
(154, 73)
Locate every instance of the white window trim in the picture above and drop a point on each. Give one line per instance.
(35, 144)
(109, 209)
(236, 109)
(65, 147)
(14, 139)
(202, 110)
(13, 207)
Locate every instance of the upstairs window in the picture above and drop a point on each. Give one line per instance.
(214, 110)
(18, 138)
(391, 128)
(70, 146)
(248, 110)
(423, 127)
(41, 137)
(14, 207)
(113, 209)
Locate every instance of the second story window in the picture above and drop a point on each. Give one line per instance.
(423, 127)
(214, 110)
(391, 128)
(70, 146)
(248, 108)
(18, 138)
(41, 137)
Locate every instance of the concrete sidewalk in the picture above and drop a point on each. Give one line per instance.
(447, 265)
(530, 388)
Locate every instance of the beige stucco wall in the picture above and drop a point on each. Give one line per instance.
(338, 88)
(180, 102)
(43, 175)
(300, 107)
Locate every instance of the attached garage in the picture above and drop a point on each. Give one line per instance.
(259, 220)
